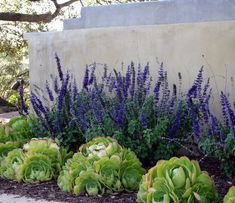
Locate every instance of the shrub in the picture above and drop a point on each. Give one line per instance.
(176, 180)
(230, 196)
(101, 166)
(120, 105)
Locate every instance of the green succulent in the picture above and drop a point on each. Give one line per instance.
(100, 146)
(88, 181)
(7, 147)
(131, 171)
(230, 196)
(10, 165)
(39, 160)
(4, 134)
(48, 147)
(108, 170)
(36, 168)
(176, 180)
(71, 170)
(17, 130)
(101, 166)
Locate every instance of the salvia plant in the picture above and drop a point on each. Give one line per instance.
(120, 105)
(176, 180)
(101, 166)
(230, 196)
(142, 115)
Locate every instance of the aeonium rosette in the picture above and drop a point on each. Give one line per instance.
(40, 159)
(101, 166)
(100, 146)
(177, 180)
(230, 196)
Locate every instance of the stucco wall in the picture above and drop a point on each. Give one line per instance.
(180, 47)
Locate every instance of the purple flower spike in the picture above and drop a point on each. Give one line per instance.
(59, 68)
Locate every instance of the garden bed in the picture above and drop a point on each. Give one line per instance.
(50, 191)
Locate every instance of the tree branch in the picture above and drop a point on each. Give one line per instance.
(46, 17)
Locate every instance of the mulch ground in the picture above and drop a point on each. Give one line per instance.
(50, 191)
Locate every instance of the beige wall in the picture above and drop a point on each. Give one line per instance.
(179, 46)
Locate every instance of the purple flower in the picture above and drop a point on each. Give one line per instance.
(92, 74)
(120, 114)
(63, 92)
(49, 92)
(86, 78)
(143, 120)
(161, 73)
(173, 99)
(59, 69)
(95, 106)
(74, 91)
(56, 86)
(37, 105)
(228, 113)
(132, 90)
(177, 122)
(196, 128)
(80, 113)
(156, 92)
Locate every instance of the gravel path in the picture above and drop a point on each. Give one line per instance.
(9, 198)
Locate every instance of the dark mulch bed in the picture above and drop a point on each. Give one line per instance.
(50, 191)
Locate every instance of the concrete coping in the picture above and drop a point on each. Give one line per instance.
(152, 13)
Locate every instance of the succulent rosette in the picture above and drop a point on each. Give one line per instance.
(230, 196)
(11, 164)
(45, 146)
(16, 130)
(41, 159)
(100, 146)
(36, 168)
(101, 166)
(88, 181)
(71, 170)
(7, 147)
(176, 180)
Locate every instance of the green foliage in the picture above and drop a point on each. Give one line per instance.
(146, 141)
(17, 129)
(7, 147)
(36, 168)
(11, 164)
(101, 166)
(176, 180)
(225, 152)
(39, 160)
(230, 196)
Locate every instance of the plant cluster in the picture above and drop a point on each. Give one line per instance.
(14, 134)
(176, 180)
(38, 160)
(101, 166)
(120, 105)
